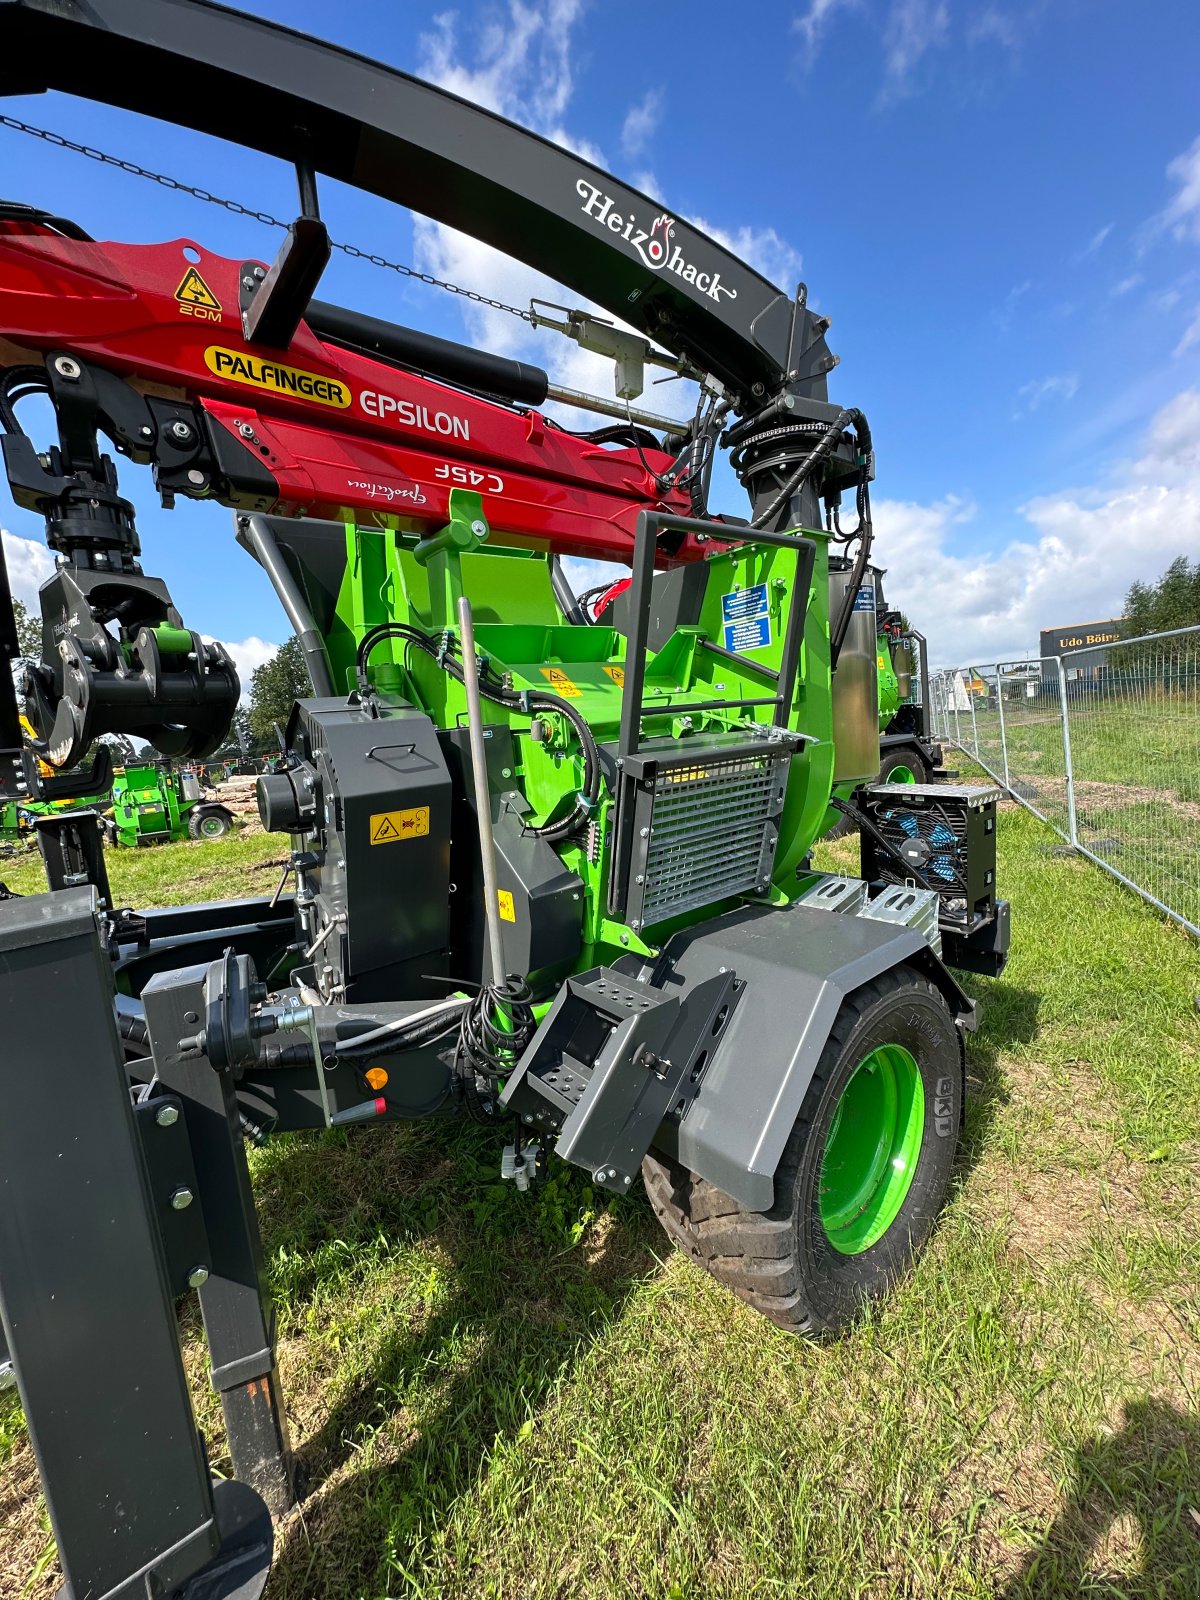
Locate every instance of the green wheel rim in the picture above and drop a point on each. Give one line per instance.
(872, 1149)
(901, 774)
(213, 827)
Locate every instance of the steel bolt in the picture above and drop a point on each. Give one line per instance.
(180, 430)
(147, 432)
(248, 282)
(643, 833)
(197, 1276)
(246, 431)
(196, 478)
(260, 273)
(68, 367)
(182, 1198)
(479, 528)
(167, 1116)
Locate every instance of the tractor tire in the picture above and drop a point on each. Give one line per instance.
(210, 823)
(837, 1239)
(903, 764)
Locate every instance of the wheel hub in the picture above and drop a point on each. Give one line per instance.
(872, 1149)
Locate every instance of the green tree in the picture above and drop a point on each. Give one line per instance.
(1172, 602)
(29, 631)
(273, 688)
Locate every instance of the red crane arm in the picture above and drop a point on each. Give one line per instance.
(341, 435)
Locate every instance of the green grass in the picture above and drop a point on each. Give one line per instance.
(500, 1395)
(173, 874)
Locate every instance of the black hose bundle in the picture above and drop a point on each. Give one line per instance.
(491, 688)
(495, 1032)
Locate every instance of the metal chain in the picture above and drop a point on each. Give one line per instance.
(265, 217)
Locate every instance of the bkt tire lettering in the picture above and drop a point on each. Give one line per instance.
(943, 1107)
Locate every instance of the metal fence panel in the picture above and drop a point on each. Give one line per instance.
(1135, 749)
(1107, 752)
(1034, 752)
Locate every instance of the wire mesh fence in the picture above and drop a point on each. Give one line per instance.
(1104, 746)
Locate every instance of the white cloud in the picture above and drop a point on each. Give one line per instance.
(1191, 336)
(29, 565)
(523, 67)
(1004, 313)
(1182, 215)
(983, 607)
(1058, 386)
(1096, 242)
(812, 24)
(522, 73)
(641, 123)
(761, 248)
(247, 655)
(1127, 285)
(914, 27)
(995, 27)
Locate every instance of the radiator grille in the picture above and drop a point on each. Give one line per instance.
(713, 827)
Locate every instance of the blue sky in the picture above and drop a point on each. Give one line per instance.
(998, 205)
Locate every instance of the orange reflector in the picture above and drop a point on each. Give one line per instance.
(376, 1076)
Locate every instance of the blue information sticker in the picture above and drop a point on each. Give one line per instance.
(864, 600)
(746, 619)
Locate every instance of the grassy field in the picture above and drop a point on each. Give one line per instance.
(496, 1395)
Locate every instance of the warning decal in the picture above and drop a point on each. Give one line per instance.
(561, 684)
(193, 291)
(389, 827)
(508, 911)
(617, 674)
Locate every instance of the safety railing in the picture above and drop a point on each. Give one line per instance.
(1102, 744)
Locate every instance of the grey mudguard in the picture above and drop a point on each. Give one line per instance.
(798, 965)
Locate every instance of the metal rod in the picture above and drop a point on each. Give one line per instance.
(738, 661)
(1073, 836)
(483, 797)
(616, 408)
(565, 595)
(1003, 732)
(256, 533)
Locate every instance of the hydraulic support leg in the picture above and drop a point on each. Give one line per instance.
(84, 1295)
(238, 1316)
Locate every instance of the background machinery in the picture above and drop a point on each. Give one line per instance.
(153, 804)
(550, 873)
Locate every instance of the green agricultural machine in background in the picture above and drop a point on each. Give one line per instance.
(152, 804)
(20, 810)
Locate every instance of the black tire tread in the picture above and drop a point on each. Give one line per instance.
(753, 1253)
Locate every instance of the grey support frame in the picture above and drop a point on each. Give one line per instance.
(97, 1236)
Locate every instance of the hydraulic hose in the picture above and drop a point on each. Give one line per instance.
(530, 702)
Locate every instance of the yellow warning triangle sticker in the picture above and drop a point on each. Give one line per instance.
(386, 829)
(193, 291)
